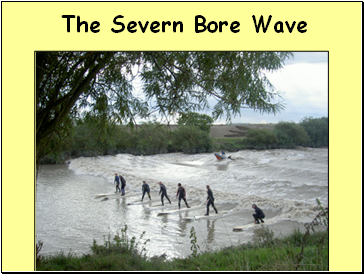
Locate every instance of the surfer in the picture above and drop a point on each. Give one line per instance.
(164, 193)
(123, 184)
(181, 193)
(259, 214)
(117, 183)
(210, 200)
(145, 189)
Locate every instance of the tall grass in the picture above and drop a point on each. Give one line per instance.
(277, 255)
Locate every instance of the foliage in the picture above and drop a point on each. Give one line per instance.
(152, 138)
(310, 132)
(266, 254)
(317, 129)
(194, 246)
(231, 144)
(92, 138)
(88, 139)
(322, 218)
(202, 121)
(145, 139)
(38, 248)
(121, 244)
(61, 79)
(290, 135)
(100, 84)
(191, 139)
(261, 139)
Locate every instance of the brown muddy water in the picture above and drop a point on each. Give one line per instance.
(283, 183)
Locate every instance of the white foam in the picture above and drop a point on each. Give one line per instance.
(290, 180)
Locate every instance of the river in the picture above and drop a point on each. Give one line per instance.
(283, 183)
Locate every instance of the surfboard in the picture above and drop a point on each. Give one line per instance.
(253, 225)
(178, 210)
(211, 216)
(110, 195)
(106, 194)
(160, 205)
(139, 202)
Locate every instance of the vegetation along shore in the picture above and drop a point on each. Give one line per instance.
(196, 136)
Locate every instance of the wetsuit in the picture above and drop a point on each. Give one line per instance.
(259, 215)
(145, 188)
(181, 192)
(164, 193)
(123, 183)
(117, 183)
(210, 198)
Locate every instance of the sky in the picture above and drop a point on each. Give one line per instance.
(303, 84)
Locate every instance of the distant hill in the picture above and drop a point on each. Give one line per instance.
(236, 130)
(233, 130)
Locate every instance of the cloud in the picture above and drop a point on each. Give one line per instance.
(304, 88)
(308, 57)
(303, 84)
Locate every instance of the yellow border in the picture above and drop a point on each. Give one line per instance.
(30, 26)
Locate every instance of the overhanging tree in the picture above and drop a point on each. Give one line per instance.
(99, 84)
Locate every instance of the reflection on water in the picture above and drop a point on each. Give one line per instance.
(164, 220)
(222, 167)
(182, 224)
(210, 228)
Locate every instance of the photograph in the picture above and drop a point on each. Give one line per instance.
(181, 136)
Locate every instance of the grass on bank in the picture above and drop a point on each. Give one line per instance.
(297, 252)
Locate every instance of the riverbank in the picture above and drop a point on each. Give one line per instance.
(236, 130)
(221, 137)
(232, 130)
(155, 138)
(297, 252)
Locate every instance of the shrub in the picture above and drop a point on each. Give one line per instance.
(317, 130)
(191, 139)
(151, 138)
(291, 135)
(261, 139)
(202, 121)
(121, 244)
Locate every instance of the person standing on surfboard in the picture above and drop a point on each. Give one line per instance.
(117, 183)
(210, 200)
(123, 184)
(259, 214)
(145, 189)
(164, 193)
(181, 193)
